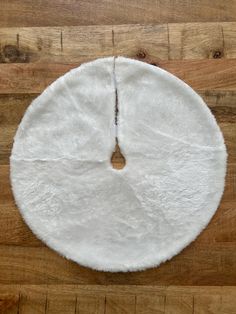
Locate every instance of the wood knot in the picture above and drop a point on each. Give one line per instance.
(217, 54)
(11, 53)
(141, 54)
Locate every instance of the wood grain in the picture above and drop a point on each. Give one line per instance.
(41, 40)
(90, 304)
(52, 13)
(150, 304)
(146, 42)
(119, 299)
(33, 300)
(199, 74)
(183, 304)
(60, 302)
(120, 304)
(199, 264)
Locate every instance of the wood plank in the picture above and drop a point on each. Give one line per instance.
(12, 109)
(208, 304)
(52, 13)
(120, 304)
(149, 42)
(150, 304)
(196, 41)
(222, 104)
(11, 222)
(90, 304)
(179, 305)
(201, 75)
(60, 303)
(101, 290)
(171, 297)
(150, 299)
(143, 42)
(204, 75)
(32, 300)
(83, 43)
(9, 303)
(204, 264)
(30, 78)
(228, 304)
(229, 32)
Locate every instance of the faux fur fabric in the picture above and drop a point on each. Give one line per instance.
(108, 219)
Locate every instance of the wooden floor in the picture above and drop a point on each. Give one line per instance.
(41, 40)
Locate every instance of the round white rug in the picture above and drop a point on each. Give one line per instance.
(108, 219)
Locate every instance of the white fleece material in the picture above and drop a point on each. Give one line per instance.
(108, 219)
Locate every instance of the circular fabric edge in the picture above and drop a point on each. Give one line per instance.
(179, 248)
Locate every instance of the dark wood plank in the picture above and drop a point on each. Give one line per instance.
(204, 264)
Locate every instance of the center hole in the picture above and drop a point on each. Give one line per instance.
(117, 159)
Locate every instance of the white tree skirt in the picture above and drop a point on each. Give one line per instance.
(108, 219)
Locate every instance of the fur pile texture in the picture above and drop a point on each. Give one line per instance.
(108, 219)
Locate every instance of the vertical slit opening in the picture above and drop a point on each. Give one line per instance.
(117, 158)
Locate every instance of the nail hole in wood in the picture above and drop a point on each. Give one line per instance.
(141, 54)
(217, 54)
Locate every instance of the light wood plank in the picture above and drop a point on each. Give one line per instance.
(196, 41)
(229, 33)
(120, 304)
(55, 44)
(228, 304)
(26, 13)
(90, 304)
(208, 304)
(144, 42)
(60, 303)
(151, 43)
(152, 297)
(179, 305)
(150, 304)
